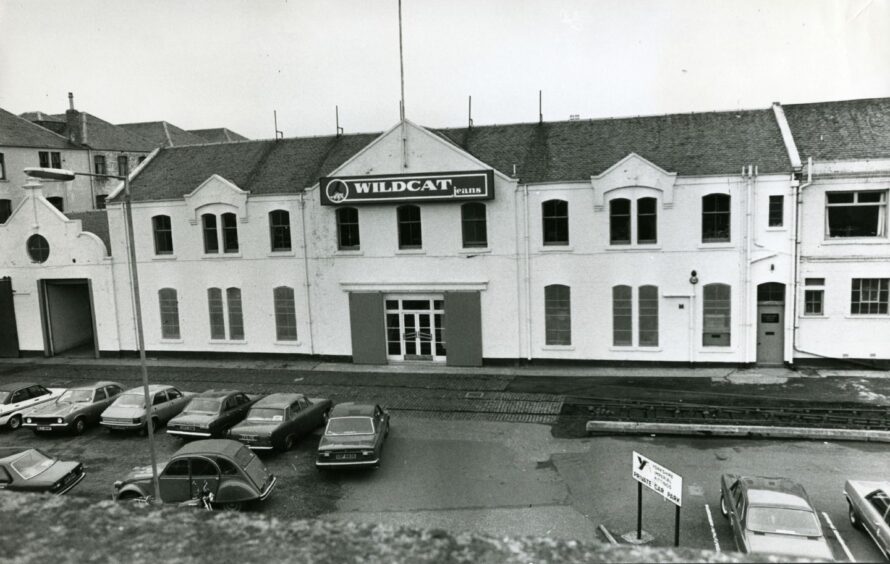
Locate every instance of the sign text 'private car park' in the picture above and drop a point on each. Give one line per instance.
(658, 478)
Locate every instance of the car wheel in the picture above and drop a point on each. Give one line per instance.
(79, 426)
(15, 422)
(230, 506)
(130, 496)
(154, 426)
(723, 509)
(854, 518)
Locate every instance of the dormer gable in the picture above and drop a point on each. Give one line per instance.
(633, 171)
(214, 195)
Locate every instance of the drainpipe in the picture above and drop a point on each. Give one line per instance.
(528, 283)
(747, 174)
(306, 286)
(798, 190)
(517, 237)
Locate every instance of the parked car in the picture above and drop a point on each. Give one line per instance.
(128, 412)
(74, 409)
(19, 397)
(224, 468)
(868, 504)
(211, 414)
(353, 436)
(772, 516)
(31, 470)
(278, 420)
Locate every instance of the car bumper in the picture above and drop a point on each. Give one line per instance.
(121, 425)
(47, 426)
(269, 488)
(72, 484)
(345, 463)
(204, 434)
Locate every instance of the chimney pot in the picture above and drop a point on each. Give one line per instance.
(70, 100)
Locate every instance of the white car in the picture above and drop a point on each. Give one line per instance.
(18, 397)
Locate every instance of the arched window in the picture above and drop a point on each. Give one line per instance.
(279, 230)
(236, 318)
(771, 292)
(557, 315)
(169, 305)
(163, 234)
(619, 221)
(347, 229)
(473, 225)
(555, 222)
(285, 314)
(648, 315)
(409, 227)
(622, 316)
(647, 221)
(217, 313)
(230, 232)
(716, 322)
(211, 239)
(715, 216)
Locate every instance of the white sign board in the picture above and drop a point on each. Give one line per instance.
(658, 479)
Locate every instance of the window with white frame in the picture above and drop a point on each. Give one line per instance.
(715, 218)
(869, 296)
(622, 316)
(814, 296)
(2, 167)
(474, 232)
(648, 314)
(279, 230)
(285, 313)
(555, 222)
(49, 159)
(214, 238)
(776, 212)
(225, 311)
(628, 216)
(557, 315)
(169, 306)
(347, 229)
(163, 234)
(717, 315)
(856, 214)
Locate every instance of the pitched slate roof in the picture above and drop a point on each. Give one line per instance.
(95, 222)
(850, 129)
(102, 135)
(689, 144)
(163, 134)
(218, 135)
(19, 132)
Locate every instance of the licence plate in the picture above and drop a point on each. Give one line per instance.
(248, 439)
(186, 428)
(44, 428)
(346, 456)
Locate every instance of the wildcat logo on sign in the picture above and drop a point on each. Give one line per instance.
(445, 186)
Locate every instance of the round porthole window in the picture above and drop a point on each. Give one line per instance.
(38, 248)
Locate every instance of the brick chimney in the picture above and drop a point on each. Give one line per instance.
(77, 126)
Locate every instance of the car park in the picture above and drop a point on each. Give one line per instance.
(868, 504)
(31, 470)
(15, 398)
(223, 468)
(278, 420)
(74, 410)
(772, 516)
(128, 412)
(353, 436)
(211, 414)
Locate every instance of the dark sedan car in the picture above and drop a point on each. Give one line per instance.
(278, 420)
(772, 516)
(30, 470)
(226, 469)
(353, 437)
(211, 414)
(74, 409)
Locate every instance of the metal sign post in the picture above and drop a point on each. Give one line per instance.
(663, 482)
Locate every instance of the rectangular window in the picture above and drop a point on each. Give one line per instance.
(648, 316)
(776, 211)
(99, 166)
(236, 319)
(715, 218)
(285, 314)
(647, 221)
(619, 222)
(163, 234)
(869, 296)
(123, 165)
(813, 300)
(5, 209)
(347, 229)
(473, 225)
(230, 233)
(716, 323)
(217, 314)
(169, 313)
(279, 230)
(409, 227)
(2, 167)
(50, 159)
(100, 201)
(211, 243)
(622, 316)
(856, 214)
(555, 222)
(557, 315)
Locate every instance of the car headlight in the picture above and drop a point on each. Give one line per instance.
(60, 420)
(137, 420)
(28, 420)
(367, 452)
(326, 454)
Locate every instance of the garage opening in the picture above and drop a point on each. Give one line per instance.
(68, 317)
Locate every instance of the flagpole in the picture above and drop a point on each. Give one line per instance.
(402, 101)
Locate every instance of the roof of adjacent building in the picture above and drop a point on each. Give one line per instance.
(844, 130)
(163, 134)
(218, 135)
(16, 131)
(100, 134)
(95, 222)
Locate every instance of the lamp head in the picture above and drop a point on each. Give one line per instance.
(693, 277)
(58, 174)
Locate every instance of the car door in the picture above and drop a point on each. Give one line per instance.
(175, 403)
(100, 400)
(19, 399)
(228, 415)
(205, 476)
(737, 508)
(39, 394)
(379, 428)
(296, 420)
(158, 402)
(174, 481)
(875, 522)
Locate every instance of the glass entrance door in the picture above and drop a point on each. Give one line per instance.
(414, 327)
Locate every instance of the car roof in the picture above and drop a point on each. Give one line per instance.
(775, 491)
(95, 385)
(13, 386)
(211, 446)
(152, 388)
(8, 454)
(216, 393)
(280, 399)
(353, 409)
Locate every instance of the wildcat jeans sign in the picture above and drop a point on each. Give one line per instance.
(444, 186)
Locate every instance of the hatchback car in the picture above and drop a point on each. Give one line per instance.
(226, 469)
(353, 436)
(772, 516)
(74, 409)
(278, 420)
(211, 414)
(21, 396)
(30, 470)
(869, 510)
(128, 411)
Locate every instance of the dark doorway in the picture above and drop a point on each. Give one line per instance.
(66, 309)
(9, 336)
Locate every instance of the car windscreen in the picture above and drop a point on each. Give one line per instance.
(31, 464)
(350, 426)
(77, 396)
(130, 400)
(783, 521)
(266, 414)
(202, 405)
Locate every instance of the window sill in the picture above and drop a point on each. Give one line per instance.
(716, 350)
(172, 341)
(410, 252)
(349, 253)
(717, 245)
(878, 316)
(840, 241)
(777, 228)
(226, 342)
(287, 343)
(163, 257)
(220, 256)
(814, 317)
(474, 251)
(634, 349)
(558, 348)
(556, 249)
(633, 248)
(272, 254)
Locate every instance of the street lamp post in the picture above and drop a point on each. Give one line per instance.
(66, 175)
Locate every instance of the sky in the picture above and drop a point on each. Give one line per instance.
(231, 63)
